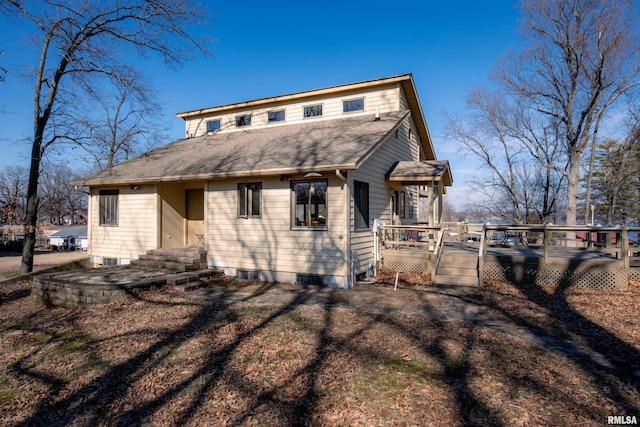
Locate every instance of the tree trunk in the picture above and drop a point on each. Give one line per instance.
(573, 181)
(31, 216)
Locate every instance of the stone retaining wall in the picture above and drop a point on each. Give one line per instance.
(59, 292)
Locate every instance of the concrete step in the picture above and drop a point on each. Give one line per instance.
(190, 286)
(190, 251)
(183, 278)
(444, 279)
(166, 265)
(171, 258)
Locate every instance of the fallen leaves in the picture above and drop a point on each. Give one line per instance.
(171, 359)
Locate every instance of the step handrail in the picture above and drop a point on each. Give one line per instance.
(482, 250)
(437, 253)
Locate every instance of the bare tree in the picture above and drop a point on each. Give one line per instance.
(13, 194)
(582, 56)
(3, 71)
(57, 197)
(127, 124)
(521, 183)
(81, 41)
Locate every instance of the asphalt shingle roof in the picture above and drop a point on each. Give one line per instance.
(311, 146)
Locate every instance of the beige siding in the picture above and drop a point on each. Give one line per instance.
(136, 229)
(373, 171)
(268, 243)
(382, 100)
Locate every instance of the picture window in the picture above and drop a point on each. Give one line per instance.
(244, 120)
(309, 204)
(213, 125)
(313, 110)
(275, 116)
(353, 105)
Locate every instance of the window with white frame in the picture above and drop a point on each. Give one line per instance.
(353, 105)
(249, 200)
(313, 110)
(243, 120)
(275, 116)
(108, 207)
(361, 205)
(213, 125)
(309, 205)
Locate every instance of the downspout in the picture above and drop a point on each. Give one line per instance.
(348, 265)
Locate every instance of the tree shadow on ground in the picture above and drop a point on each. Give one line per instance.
(458, 353)
(611, 362)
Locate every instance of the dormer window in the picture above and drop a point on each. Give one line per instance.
(275, 116)
(243, 120)
(313, 110)
(213, 125)
(353, 105)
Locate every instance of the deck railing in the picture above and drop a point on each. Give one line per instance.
(613, 241)
(409, 236)
(422, 238)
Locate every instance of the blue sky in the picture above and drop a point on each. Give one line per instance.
(271, 48)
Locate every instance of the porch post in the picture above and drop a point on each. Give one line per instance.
(440, 191)
(430, 202)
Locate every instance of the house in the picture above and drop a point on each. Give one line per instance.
(286, 188)
(68, 238)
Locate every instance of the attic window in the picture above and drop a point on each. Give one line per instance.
(243, 120)
(213, 125)
(313, 110)
(275, 116)
(353, 105)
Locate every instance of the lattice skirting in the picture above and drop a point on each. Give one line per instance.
(407, 261)
(634, 273)
(593, 274)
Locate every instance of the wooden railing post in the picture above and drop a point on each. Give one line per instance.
(481, 254)
(546, 240)
(624, 246)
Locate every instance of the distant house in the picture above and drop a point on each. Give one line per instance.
(285, 188)
(69, 238)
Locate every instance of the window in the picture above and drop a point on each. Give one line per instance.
(410, 205)
(275, 116)
(402, 204)
(353, 105)
(213, 125)
(309, 204)
(361, 204)
(313, 110)
(108, 207)
(249, 203)
(244, 120)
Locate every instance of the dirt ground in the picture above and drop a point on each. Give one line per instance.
(190, 359)
(10, 261)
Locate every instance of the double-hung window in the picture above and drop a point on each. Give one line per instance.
(361, 205)
(309, 204)
(108, 207)
(249, 200)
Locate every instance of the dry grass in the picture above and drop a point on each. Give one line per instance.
(174, 359)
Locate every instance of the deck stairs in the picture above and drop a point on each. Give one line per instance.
(174, 260)
(458, 265)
